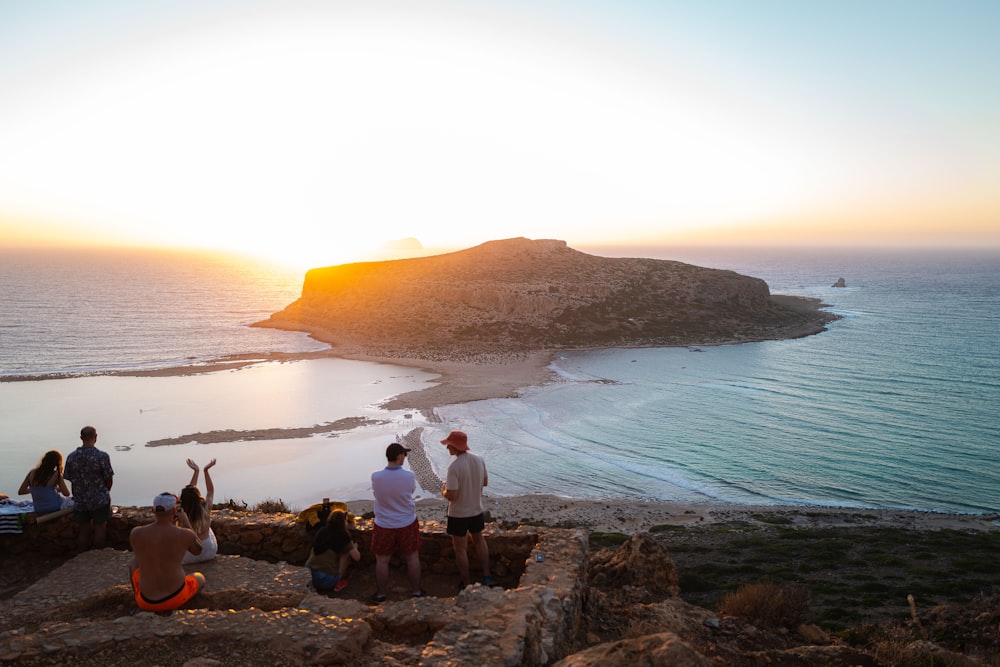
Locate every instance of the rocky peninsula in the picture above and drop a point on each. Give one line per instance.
(489, 318)
(519, 296)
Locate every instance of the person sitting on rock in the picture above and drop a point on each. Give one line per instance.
(198, 510)
(45, 483)
(331, 553)
(158, 578)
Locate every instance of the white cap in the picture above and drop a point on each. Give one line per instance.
(164, 502)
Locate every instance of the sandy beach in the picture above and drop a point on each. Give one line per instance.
(630, 517)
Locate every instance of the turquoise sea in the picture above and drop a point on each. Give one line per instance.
(895, 405)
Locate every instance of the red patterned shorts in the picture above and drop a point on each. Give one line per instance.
(386, 541)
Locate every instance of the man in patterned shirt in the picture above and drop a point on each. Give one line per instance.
(89, 471)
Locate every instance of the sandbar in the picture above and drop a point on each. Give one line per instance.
(460, 381)
(629, 516)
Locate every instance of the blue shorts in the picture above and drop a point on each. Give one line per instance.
(459, 526)
(322, 581)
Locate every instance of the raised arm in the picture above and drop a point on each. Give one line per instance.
(209, 487)
(24, 485)
(194, 475)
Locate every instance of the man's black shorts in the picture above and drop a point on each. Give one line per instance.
(460, 526)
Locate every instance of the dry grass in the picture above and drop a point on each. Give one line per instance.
(270, 506)
(767, 603)
(267, 506)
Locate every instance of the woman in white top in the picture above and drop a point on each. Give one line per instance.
(198, 512)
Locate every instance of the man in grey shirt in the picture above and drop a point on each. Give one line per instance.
(464, 490)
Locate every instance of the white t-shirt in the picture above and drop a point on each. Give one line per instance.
(393, 487)
(467, 475)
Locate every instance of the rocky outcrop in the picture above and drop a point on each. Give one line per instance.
(265, 613)
(840, 283)
(617, 608)
(528, 295)
(640, 563)
(664, 648)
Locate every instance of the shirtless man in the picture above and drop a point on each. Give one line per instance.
(158, 579)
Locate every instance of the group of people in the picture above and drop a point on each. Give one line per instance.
(181, 532)
(89, 470)
(396, 528)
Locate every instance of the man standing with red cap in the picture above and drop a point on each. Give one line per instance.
(464, 490)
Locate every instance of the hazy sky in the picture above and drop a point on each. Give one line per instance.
(307, 130)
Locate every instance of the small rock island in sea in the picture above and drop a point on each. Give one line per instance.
(523, 295)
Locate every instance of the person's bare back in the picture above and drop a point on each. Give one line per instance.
(159, 548)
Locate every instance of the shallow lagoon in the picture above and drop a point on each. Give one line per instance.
(131, 411)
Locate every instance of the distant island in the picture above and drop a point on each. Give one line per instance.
(520, 296)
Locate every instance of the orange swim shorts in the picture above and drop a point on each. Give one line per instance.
(188, 590)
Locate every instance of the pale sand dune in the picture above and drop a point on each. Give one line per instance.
(462, 381)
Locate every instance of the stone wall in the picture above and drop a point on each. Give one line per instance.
(262, 597)
(278, 538)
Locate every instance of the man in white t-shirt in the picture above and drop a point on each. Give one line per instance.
(396, 527)
(464, 490)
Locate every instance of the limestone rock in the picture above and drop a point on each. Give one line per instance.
(664, 649)
(641, 564)
(840, 283)
(828, 656)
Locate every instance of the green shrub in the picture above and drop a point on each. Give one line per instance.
(605, 540)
